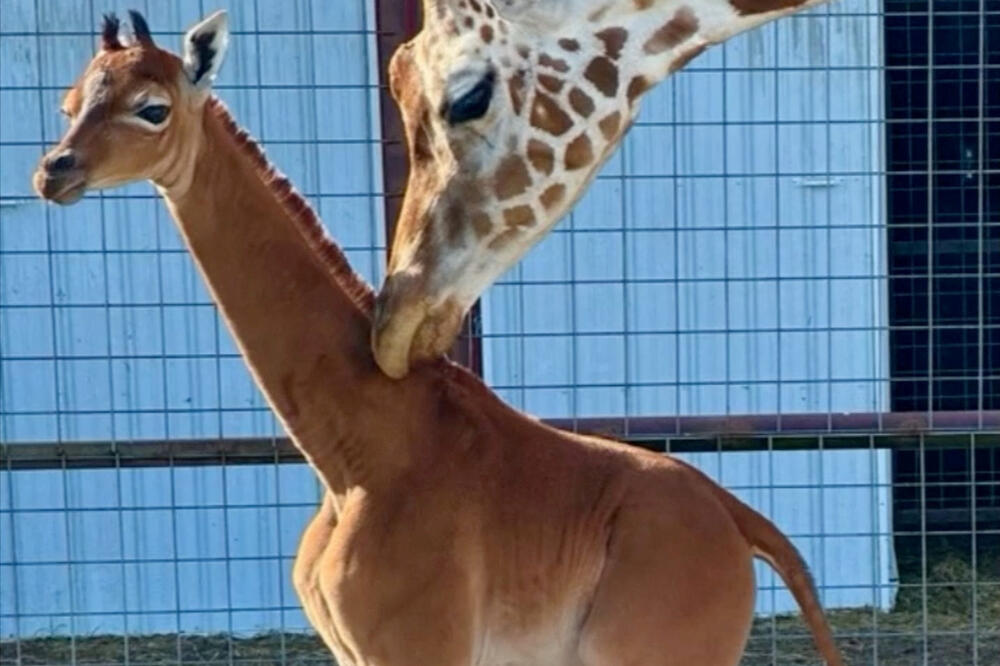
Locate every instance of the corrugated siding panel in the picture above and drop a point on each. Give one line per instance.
(173, 549)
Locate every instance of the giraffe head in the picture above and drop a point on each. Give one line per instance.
(510, 108)
(135, 113)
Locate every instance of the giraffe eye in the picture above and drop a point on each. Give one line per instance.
(473, 104)
(154, 113)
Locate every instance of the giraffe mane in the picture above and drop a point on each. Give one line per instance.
(458, 381)
(300, 212)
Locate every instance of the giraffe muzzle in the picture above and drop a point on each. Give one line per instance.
(407, 329)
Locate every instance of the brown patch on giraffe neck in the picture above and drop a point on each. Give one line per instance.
(581, 103)
(603, 74)
(686, 57)
(552, 196)
(475, 6)
(461, 211)
(679, 28)
(469, 22)
(519, 216)
(636, 87)
(486, 32)
(511, 177)
(579, 153)
(481, 223)
(550, 83)
(568, 44)
(454, 221)
(643, 4)
(613, 39)
(516, 88)
(548, 116)
(541, 156)
(609, 125)
(746, 7)
(503, 239)
(558, 64)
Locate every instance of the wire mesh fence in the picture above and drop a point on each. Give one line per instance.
(784, 274)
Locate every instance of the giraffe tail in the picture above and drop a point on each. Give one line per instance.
(774, 547)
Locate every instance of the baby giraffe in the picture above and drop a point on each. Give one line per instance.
(454, 531)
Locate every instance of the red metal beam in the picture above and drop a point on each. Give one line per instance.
(397, 21)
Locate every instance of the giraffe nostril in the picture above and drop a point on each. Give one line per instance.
(62, 162)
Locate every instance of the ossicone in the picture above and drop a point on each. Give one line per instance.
(109, 33)
(140, 29)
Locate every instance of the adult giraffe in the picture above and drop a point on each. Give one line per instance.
(510, 108)
(454, 530)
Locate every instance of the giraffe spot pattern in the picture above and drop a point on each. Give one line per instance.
(481, 223)
(568, 44)
(550, 83)
(453, 220)
(581, 103)
(679, 28)
(609, 125)
(579, 153)
(519, 216)
(511, 177)
(613, 39)
(541, 156)
(603, 74)
(545, 60)
(547, 115)
(643, 4)
(745, 7)
(516, 89)
(636, 87)
(503, 240)
(486, 32)
(552, 196)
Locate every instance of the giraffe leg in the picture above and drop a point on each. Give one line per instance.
(671, 594)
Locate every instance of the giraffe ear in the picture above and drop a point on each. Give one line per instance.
(204, 48)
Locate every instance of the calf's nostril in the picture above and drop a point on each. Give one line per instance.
(62, 162)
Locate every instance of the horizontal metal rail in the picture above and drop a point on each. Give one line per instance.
(774, 432)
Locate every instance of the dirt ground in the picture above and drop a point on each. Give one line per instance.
(896, 638)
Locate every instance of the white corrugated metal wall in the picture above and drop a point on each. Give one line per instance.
(107, 332)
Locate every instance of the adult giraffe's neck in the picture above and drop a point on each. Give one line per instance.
(646, 39)
(298, 314)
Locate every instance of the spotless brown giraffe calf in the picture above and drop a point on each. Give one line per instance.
(510, 109)
(455, 531)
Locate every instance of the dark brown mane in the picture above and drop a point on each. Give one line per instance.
(332, 257)
(329, 253)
